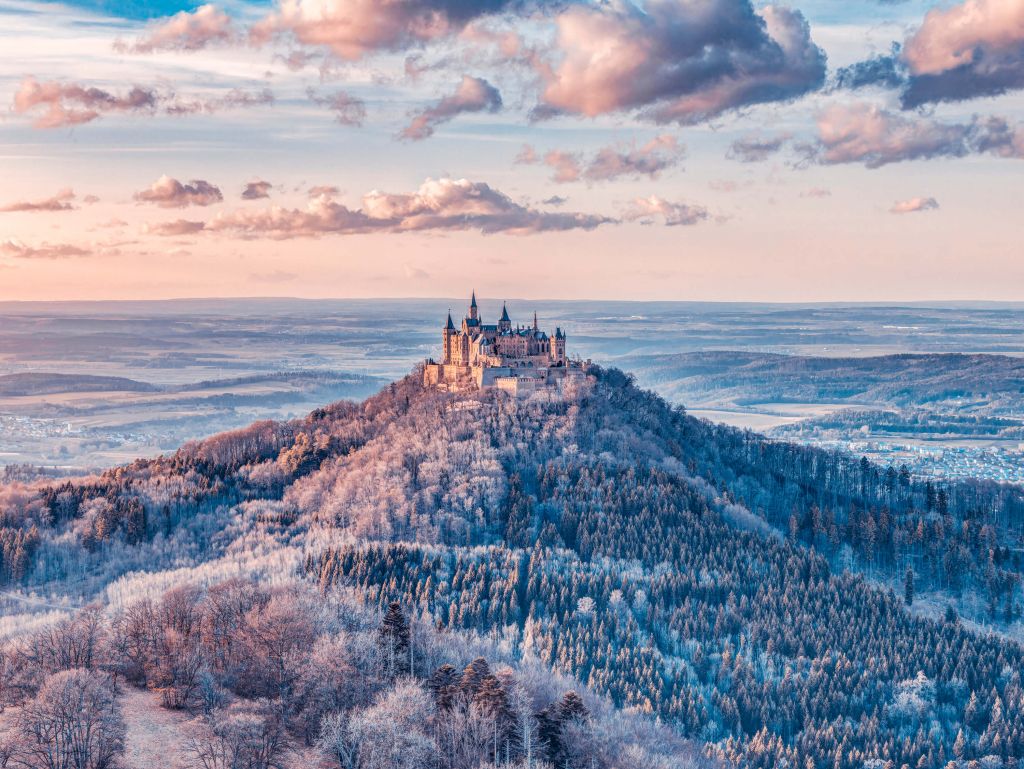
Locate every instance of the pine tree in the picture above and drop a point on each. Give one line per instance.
(908, 587)
(393, 639)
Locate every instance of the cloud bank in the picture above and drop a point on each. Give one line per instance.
(438, 205)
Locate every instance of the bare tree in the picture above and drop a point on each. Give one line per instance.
(74, 722)
(244, 735)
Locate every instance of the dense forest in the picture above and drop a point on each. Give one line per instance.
(737, 589)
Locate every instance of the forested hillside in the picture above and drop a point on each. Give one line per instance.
(723, 583)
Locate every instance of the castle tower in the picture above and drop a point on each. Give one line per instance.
(473, 314)
(447, 338)
(505, 324)
(558, 347)
(535, 328)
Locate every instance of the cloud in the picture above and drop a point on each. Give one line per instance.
(566, 165)
(753, 149)
(438, 205)
(60, 104)
(348, 110)
(69, 104)
(864, 133)
(236, 98)
(62, 201)
(678, 62)
(257, 190)
(555, 200)
(975, 48)
(170, 193)
(184, 31)
(474, 94)
(612, 162)
(673, 214)
(914, 205)
(19, 250)
(352, 29)
(328, 190)
(884, 70)
(177, 228)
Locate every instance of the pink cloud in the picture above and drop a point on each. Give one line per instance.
(68, 104)
(59, 104)
(19, 250)
(438, 205)
(170, 193)
(612, 162)
(673, 214)
(975, 48)
(678, 62)
(474, 94)
(185, 31)
(348, 110)
(952, 37)
(914, 205)
(62, 201)
(754, 149)
(864, 133)
(256, 190)
(352, 29)
(176, 228)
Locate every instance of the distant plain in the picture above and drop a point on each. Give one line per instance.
(92, 384)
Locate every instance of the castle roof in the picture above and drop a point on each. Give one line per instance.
(504, 313)
(472, 302)
(450, 326)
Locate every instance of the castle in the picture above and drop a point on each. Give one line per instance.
(517, 360)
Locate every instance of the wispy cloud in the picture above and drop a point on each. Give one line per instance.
(673, 214)
(62, 201)
(608, 163)
(474, 94)
(865, 133)
(19, 250)
(184, 31)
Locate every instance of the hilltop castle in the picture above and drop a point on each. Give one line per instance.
(516, 359)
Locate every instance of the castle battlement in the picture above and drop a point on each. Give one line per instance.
(516, 359)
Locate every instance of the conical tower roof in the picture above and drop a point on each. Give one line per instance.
(504, 313)
(450, 326)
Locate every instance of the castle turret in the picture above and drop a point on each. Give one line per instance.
(447, 335)
(558, 348)
(473, 314)
(535, 327)
(505, 324)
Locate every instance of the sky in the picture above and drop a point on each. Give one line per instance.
(712, 150)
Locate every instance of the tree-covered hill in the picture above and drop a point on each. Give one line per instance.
(726, 584)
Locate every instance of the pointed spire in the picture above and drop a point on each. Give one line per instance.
(535, 320)
(504, 313)
(472, 302)
(450, 326)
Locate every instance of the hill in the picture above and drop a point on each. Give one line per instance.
(47, 383)
(609, 559)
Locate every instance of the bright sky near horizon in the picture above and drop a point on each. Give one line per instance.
(633, 149)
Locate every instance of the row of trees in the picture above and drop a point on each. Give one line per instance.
(274, 672)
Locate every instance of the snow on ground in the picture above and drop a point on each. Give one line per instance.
(156, 737)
